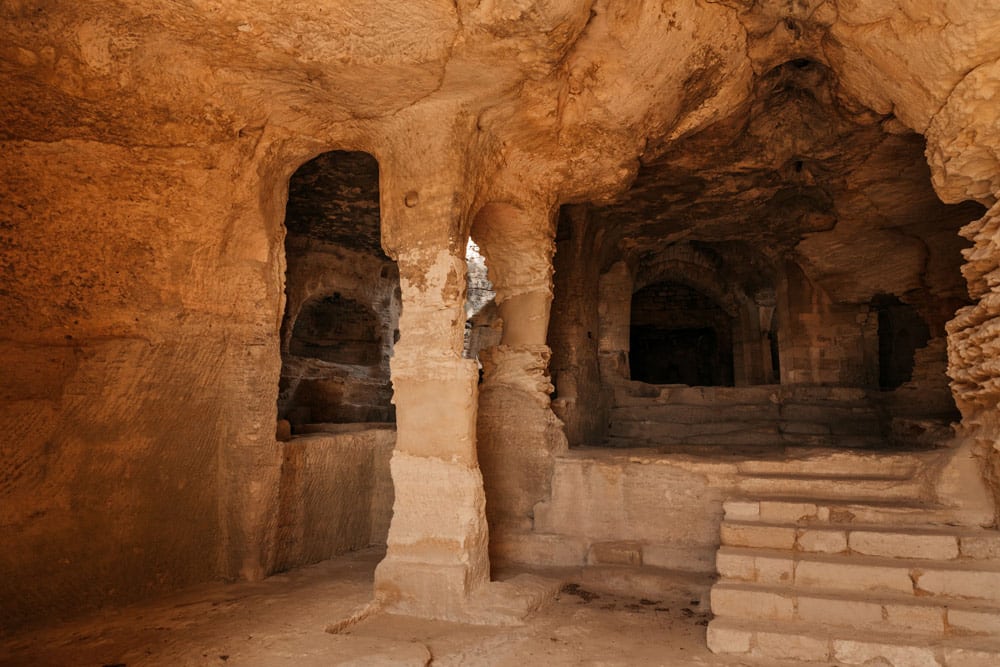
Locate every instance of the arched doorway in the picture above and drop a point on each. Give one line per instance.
(679, 335)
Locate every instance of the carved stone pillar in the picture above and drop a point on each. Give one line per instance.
(518, 433)
(437, 544)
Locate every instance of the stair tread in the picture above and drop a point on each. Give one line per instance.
(930, 530)
(890, 503)
(882, 597)
(772, 626)
(965, 565)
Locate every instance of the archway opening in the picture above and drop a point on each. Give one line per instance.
(679, 335)
(341, 317)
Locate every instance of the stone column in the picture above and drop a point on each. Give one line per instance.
(437, 543)
(518, 433)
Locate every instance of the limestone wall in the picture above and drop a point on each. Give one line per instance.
(335, 495)
(574, 333)
(821, 341)
(140, 365)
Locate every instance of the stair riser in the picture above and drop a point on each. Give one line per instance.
(694, 414)
(860, 578)
(926, 620)
(887, 544)
(768, 645)
(854, 489)
(775, 511)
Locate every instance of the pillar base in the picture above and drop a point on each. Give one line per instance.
(440, 592)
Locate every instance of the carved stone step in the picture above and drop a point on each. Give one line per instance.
(937, 618)
(770, 641)
(806, 510)
(867, 540)
(858, 488)
(965, 580)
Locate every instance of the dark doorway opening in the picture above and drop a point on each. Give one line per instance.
(901, 332)
(679, 336)
(343, 297)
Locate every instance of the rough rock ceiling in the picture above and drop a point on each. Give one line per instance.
(799, 173)
(334, 199)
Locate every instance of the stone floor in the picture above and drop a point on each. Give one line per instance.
(282, 621)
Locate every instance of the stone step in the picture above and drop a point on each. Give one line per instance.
(672, 413)
(831, 487)
(809, 511)
(654, 429)
(828, 412)
(838, 463)
(868, 426)
(834, 441)
(867, 540)
(968, 580)
(933, 618)
(773, 641)
(638, 393)
(656, 435)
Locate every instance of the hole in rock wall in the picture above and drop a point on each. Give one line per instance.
(901, 332)
(679, 336)
(342, 297)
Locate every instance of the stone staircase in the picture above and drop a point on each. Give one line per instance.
(836, 567)
(668, 415)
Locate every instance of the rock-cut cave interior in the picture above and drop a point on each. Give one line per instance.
(500, 332)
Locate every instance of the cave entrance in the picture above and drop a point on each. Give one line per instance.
(679, 335)
(336, 418)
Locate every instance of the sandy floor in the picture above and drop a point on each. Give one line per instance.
(282, 621)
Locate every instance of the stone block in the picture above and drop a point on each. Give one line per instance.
(985, 546)
(846, 613)
(971, 584)
(965, 657)
(974, 621)
(784, 646)
(784, 512)
(854, 652)
(741, 510)
(752, 604)
(927, 619)
(615, 553)
(758, 536)
(774, 570)
(902, 545)
(854, 577)
(728, 640)
(821, 541)
(739, 567)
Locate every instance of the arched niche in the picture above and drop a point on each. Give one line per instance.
(342, 297)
